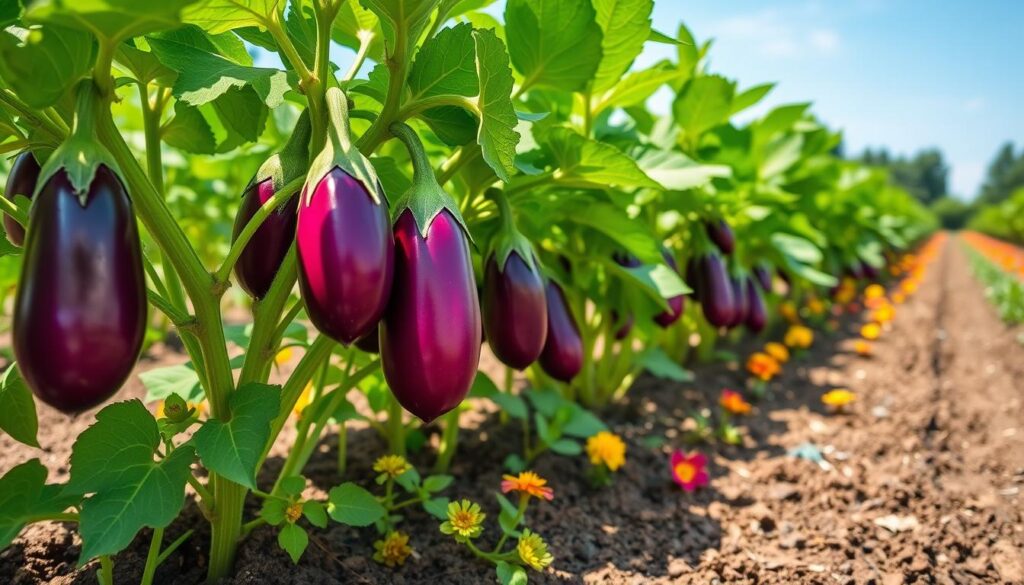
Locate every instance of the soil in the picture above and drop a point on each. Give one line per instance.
(919, 482)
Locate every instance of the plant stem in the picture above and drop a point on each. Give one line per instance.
(365, 40)
(449, 441)
(342, 449)
(173, 546)
(106, 572)
(227, 526)
(396, 428)
(152, 557)
(278, 199)
(397, 64)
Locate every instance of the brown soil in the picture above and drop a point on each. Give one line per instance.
(920, 481)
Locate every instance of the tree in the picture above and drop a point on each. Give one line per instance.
(1005, 175)
(924, 175)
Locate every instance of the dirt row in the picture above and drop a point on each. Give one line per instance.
(918, 483)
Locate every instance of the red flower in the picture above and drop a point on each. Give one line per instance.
(689, 470)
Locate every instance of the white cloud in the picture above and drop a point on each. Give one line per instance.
(776, 35)
(825, 40)
(975, 104)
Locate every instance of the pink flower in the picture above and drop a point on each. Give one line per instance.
(689, 470)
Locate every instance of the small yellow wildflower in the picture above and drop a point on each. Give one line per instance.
(874, 291)
(789, 312)
(528, 483)
(883, 314)
(606, 449)
(908, 286)
(393, 549)
(304, 399)
(815, 306)
(284, 356)
(799, 337)
(293, 512)
(533, 550)
(763, 366)
(899, 298)
(862, 347)
(778, 351)
(871, 331)
(391, 465)
(838, 398)
(464, 519)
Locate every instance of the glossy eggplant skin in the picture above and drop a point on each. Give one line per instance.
(562, 357)
(262, 256)
(757, 315)
(21, 181)
(430, 335)
(740, 304)
(676, 303)
(514, 311)
(346, 257)
(716, 291)
(80, 310)
(721, 234)
(370, 343)
(763, 277)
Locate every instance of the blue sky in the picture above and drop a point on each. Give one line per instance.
(906, 74)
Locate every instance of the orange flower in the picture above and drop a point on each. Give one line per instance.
(871, 331)
(778, 351)
(799, 337)
(908, 286)
(763, 366)
(733, 402)
(815, 306)
(862, 347)
(883, 314)
(838, 398)
(899, 298)
(528, 483)
(874, 291)
(689, 470)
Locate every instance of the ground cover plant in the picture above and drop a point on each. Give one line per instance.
(464, 180)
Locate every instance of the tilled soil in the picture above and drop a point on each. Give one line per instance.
(919, 482)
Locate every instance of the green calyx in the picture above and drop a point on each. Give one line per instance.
(509, 239)
(82, 153)
(425, 199)
(293, 160)
(339, 151)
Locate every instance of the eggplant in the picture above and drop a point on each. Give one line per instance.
(763, 277)
(721, 234)
(716, 291)
(624, 326)
(262, 256)
(515, 313)
(676, 303)
(870, 272)
(562, 357)
(21, 181)
(430, 334)
(740, 304)
(80, 310)
(693, 277)
(370, 343)
(757, 314)
(626, 260)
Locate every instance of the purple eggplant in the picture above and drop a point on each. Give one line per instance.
(763, 277)
(370, 343)
(757, 315)
(716, 291)
(514, 311)
(346, 252)
(626, 260)
(740, 304)
(430, 335)
(262, 256)
(80, 310)
(870, 272)
(676, 303)
(21, 181)
(721, 234)
(562, 357)
(693, 277)
(624, 325)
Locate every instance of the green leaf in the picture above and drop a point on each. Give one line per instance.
(42, 63)
(677, 172)
(436, 483)
(612, 221)
(162, 382)
(293, 485)
(704, 103)
(780, 155)
(544, 431)
(220, 16)
(316, 513)
(566, 447)
(547, 401)
(655, 361)
(355, 23)
(553, 44)
(658, 281)
(750, 96)
(18, 413)
(510, 574)
(353, 505)
(483, 387)
(497, 135)
(626, 26)
(437, 507)
(780, 119)
(115, 20)
(514, 405)
(233, 448)
(583, 424)
(410, 15)
(24, 495)
(514, 463)
(637, 86)
(188, 130)
(585, 163)
(294, 540)
(114, 460)
(445, 64)
(274, 510)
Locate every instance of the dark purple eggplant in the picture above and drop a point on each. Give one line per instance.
(716, 291)
(757, 315)
(262, 256)
(562, 357)
(626, 260)
(430, 335)
(693, 277)
(514, 311)
(856, 270)
(870, 272)
(346, 253)
(80, 310)
(721, 234)
(21, 181)
(676, 303)
(624, 325)
(763, 277)
(740, 305)
(370, 343)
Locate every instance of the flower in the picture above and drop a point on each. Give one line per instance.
(283, 357)
(733, 402)
(763, 366)
(161, 408)
(838, 398)
(606, 449)
(293, 512)
(871, 331)
(908, 286)
(688, 470)
(304, 399)
(883, 314)
(799, 337)
(788, 312)
(862, 347)
(464, 519)
(529, 483)
(777, 351)
(393, 549)
(874, 291)
(391, 465)
(533, 550)
(815, 306)
(899, 298)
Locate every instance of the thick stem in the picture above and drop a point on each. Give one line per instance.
(152, 557)
(227, 527)
(396, 428)
(398, 65)
(449, 442)
(106, 572)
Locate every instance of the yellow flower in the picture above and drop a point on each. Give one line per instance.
(899, 298)
(283, 357)
(464, 519)
(908, 286)
(304, 399)
(763, 366)
(293, 512)
(606, 449)
(788, 312)
(778, 351)
(799, 337)
(862, 347)
(883, 314)
(815, 306)
(871, 331)
(528, 483)
(533, 550)
(391, 465)
(874, 291)
(838, 398)
(393, 549)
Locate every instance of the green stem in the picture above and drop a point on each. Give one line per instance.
(204, 494)
(12, 210)
(31, 115)
(396, 428)
(449, 442)
(520, 512)
(251, 525)
(365, 40)
(106, 572)
(298, 456)
(152, 557)
(173, 546)
(397, 64)
(270, 206)
(342, 449)
(423, 104)
(226, 527)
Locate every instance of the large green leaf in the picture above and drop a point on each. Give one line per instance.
(115, 20)
(553, 43)
(704, 103)
(233, 448)
(353, 505)
(42, 63)
(750, 96)
(162, 382)
(497, 135)
(17, 408)
(409, 15)
(24, 495)
(588, 164)
(625, 26)
(445, 64)
(219, 16)
(114, 460)
(637, 86)
(613, 222)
